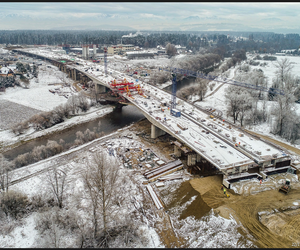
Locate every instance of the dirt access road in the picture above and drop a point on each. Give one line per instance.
(269, 216)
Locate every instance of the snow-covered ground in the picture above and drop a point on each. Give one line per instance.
(215, 230)
(26, 235)
(218, 100)
(38, 96)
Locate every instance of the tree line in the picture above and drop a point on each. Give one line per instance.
(264, 42)
(249, 106)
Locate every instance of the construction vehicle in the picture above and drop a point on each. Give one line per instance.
(286, 187)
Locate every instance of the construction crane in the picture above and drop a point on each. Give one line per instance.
(105, 60)
(223, 80)
(173, 101)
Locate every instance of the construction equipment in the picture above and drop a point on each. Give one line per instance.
(222, 80)
(286, 187)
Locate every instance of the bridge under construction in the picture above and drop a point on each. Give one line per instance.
(201, 137)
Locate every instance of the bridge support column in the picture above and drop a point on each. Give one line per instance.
(156, 132)
(198, 158)
(177, 151)
(191, 159)
(100, 88)
(74, 74)
(119, 107)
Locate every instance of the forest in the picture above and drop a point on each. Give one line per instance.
(263, 42)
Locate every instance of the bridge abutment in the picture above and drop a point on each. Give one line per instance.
(156, 132)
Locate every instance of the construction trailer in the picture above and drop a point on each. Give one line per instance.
(175, 112)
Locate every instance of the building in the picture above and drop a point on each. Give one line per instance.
(6, 72)
(139, 54)
(80, 50)
(161, 52)
(116, 49)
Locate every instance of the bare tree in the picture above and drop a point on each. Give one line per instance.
(5, 174)
(171, 50)
(283, 68)
(239, 101)
(56, 178)
(100, 180)
(82, 102)
(201, 87)
(288, 83)
(63, 79)
(54, 224)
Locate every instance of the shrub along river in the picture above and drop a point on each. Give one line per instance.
(109, 123)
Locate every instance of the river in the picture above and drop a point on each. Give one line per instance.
(181, 84)
(109, 123)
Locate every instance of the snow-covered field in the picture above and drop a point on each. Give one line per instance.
(10, 113)
(38, 95)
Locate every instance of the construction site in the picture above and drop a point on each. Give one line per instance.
(195, 161)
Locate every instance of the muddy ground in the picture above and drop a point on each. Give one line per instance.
(270, 216)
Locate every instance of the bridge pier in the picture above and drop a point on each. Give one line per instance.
(156, 132)
(191, 160)
(177, 151)
(100, 88)
(119, 107)
(198, 158)
(74, 74)
(70, 73)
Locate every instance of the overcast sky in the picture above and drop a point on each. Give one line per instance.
(276, 17)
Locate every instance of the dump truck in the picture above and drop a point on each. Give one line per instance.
(286, 187)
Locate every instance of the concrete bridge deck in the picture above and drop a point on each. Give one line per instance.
(224, 146)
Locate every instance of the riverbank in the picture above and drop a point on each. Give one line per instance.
(8, 140)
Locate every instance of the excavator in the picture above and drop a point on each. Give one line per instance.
(286, 187)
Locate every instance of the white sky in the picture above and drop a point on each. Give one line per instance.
(253, 16)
